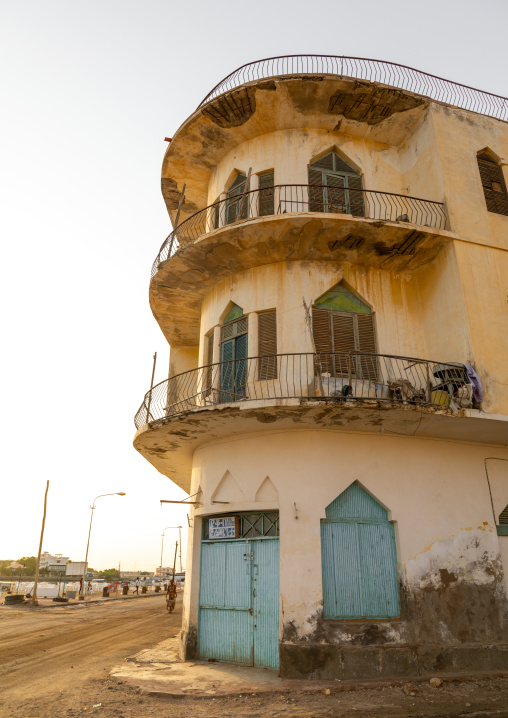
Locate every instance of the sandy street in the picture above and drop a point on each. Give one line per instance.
(55, 662)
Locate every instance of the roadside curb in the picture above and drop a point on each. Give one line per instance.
(73, 602)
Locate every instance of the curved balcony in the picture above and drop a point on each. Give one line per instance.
(360, 68)
(336, 378)
(296, 198)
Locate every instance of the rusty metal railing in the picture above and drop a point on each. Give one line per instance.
(361, 68)
(282, 199)
(337, 377)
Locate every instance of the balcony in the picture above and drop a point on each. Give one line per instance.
(366, 70)
(298, 199)
(339, 379)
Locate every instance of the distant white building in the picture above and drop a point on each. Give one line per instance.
(53, 562)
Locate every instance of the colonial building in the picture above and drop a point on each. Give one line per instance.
(335, 296)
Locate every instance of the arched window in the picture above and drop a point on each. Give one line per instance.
(359, 559)
(236, 202)
(233, 355)
(335, 187)
(494, 187)
(343, 323)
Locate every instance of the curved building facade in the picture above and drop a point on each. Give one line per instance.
(334, 293)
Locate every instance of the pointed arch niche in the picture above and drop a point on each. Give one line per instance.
(493, 182)
(359, 558)
(343, 322)
(228, 490)
(335, 186)
(267, 493)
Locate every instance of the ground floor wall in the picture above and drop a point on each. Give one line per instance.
(453, 592)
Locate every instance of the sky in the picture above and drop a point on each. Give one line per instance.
(89, 92)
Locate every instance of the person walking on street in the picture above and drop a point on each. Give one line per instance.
(138, 584)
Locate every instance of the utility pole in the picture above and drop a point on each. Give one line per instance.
(34, 592)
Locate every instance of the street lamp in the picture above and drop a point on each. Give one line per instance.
(83, 587)
(162, 545)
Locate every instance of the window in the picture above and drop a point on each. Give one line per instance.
(250, 525)
(359, 559)
(209, 367)
(266, 194)
(343, 323)
(236, 202)
(334, 186)
(502, 528)
(493, 184)
(267, 345)
(233, 356)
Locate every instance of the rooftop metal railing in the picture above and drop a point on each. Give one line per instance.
(282, 199)
(361, 68)
(337, 377)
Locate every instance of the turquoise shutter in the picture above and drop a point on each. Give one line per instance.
(359, 559)
(241, 366)
(380, 590)
(227, 353)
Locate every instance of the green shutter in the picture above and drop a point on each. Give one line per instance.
(236, 202)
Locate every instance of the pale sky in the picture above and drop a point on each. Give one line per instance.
(89, 91)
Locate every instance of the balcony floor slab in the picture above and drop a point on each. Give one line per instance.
(169, 444)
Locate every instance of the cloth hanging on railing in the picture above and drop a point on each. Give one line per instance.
(476, 382)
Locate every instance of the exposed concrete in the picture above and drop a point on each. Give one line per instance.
(379, 112)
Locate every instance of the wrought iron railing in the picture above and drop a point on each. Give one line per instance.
(361, 68)
(339, 377)
(281, 199)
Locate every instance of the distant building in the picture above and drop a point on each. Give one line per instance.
(53, 562)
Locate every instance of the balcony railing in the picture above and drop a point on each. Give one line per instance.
(361, 68)
(282, 199)
(338, 377)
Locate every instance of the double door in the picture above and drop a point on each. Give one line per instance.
(239, 602)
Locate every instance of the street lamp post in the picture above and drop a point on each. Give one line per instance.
(83, 585)
(162, 544)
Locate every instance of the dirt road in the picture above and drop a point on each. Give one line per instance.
(55, 663)
(49, 658)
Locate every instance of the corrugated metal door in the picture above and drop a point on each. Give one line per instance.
(225, 598)
(239, 602)
(265, 579)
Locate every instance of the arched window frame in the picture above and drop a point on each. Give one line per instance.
(493, 183)
(335, 186)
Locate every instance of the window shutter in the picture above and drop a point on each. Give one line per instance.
(343, 342)
(367, 368)
(493, 184)
(343, 332)
(356, 206)
(321, 331)
(234, 200)
(335, 194)
(503, 516)
(267, 345)
(209, 370)
(266, 194)
(316, 203)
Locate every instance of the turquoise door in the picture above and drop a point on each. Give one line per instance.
(233, 356)
(239, 602)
